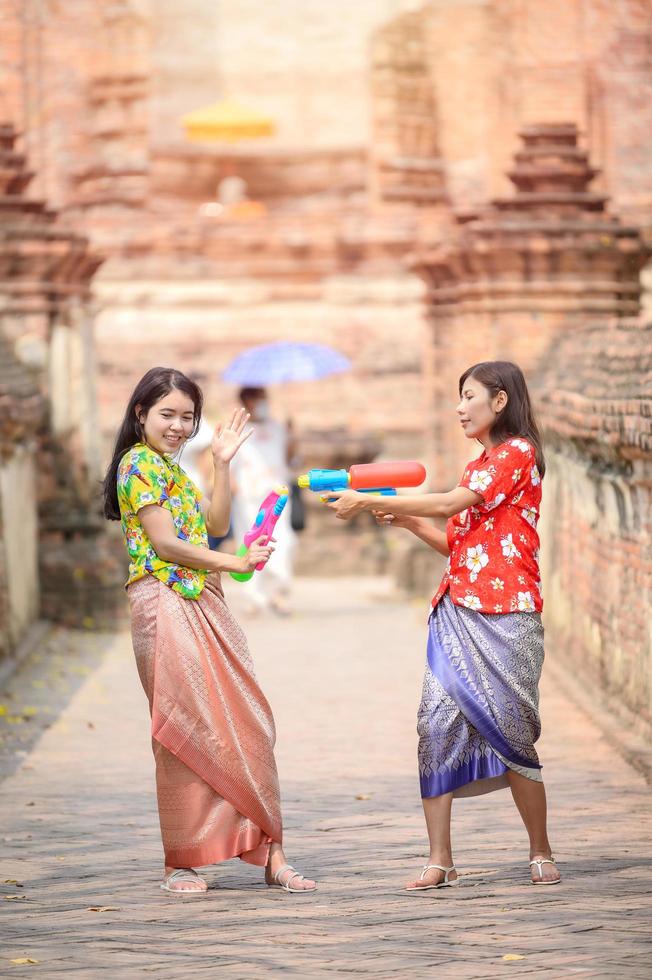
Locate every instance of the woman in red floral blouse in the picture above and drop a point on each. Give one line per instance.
(478, 719)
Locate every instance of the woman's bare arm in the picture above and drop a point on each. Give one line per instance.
(433, 536)
(347, 503)
(419, 526)
(217, 508)
(159, 527)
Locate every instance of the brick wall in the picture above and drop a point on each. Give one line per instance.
(21, 412)
(57, 561)
(597, 529)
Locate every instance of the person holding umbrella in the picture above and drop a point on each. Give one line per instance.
(267, 456)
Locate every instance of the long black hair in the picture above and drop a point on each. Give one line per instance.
(517, 417)
(156, 384)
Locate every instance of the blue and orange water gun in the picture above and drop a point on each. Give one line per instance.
(380, 478)
(268, 514)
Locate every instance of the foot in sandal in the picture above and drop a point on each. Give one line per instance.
(433, 876)
(280, 874)
(544, 870)
(183, 881)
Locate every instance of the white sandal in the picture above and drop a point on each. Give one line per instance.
(539, 863)
(285, 885)
(183, 874)
(442, 884)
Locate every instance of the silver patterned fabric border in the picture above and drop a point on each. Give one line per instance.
(479, 711)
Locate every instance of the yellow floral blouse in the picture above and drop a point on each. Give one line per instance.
(145, 477)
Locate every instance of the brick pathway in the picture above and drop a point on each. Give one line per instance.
(80, 832)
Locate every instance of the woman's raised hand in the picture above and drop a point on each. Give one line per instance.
(228, 437)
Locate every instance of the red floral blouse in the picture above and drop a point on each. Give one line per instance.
(494, 548)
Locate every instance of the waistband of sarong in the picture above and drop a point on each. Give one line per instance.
(213, 584)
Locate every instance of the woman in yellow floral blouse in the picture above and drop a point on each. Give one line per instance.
(212, 728)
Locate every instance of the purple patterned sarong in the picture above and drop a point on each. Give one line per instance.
(479, 716)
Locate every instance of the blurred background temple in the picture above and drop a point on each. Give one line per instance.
(440, 183)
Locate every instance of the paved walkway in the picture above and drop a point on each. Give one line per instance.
(81, 853)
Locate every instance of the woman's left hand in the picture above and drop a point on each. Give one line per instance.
(394, 520)
(228, 438)
(347, 504)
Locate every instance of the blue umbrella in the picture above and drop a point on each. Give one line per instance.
(284, 361)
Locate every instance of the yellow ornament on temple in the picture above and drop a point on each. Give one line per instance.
(226, 121)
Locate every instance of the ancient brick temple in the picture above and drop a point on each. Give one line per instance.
(54, 562)
(483, 189)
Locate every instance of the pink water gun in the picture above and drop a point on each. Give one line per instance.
(268, 514)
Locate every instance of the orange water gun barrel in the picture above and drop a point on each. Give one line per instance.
(400, 473)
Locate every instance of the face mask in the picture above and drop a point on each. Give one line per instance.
(262, 411)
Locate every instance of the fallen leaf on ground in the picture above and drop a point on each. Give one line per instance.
(3, 709)
(513, 956)
(24, 959)
(15, 898)
(363, 796)
(104, 908)
(30, 804)
(29, 711)
(13, 881)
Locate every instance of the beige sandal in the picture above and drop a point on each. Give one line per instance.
(285, 885)
(442, 884)
(187, 875)
(539, 863)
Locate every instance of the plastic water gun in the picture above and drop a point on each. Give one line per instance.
(268, 514)
(380, 478)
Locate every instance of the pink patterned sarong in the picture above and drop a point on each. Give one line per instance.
(212, 728)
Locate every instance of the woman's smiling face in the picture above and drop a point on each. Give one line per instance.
(168, 423)
(477, 410)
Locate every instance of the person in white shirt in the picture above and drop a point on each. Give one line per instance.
(262, 463)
